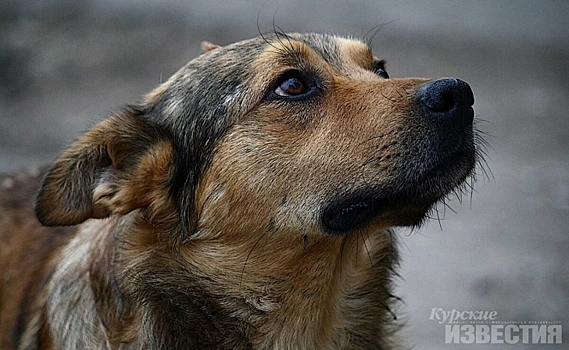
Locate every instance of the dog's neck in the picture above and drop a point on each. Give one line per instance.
(266, 292)
(258, 295)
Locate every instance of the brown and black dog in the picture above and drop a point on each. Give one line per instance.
(246, 203)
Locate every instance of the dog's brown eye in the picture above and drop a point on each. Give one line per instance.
(295, 85)
(292, 86)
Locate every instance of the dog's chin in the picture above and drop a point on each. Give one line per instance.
(376, 206)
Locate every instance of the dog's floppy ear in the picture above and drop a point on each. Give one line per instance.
(123, 163)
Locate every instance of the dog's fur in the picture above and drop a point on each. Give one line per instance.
(220, 214)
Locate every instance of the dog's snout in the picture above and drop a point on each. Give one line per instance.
(447, 100)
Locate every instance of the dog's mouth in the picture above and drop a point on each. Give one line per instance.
(404, 207)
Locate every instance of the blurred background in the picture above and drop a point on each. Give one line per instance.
(66, 64)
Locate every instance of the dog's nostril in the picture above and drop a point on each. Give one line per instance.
(447, 98)
(439, 102)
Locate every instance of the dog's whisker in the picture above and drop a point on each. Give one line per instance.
(446, 205)
(399, 93)
(438, 218)
(374, 31)
(343, 247)
(391, 312)
(247, 258)
(367, 251)
(392, 100)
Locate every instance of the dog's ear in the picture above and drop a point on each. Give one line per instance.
(207, 46)
(124, 163)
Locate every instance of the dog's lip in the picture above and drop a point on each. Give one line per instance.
(357, 209)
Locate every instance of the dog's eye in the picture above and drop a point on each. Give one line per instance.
(380, 69)
(291, 86)
(295, 85)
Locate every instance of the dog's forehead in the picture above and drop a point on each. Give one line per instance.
(339, 52)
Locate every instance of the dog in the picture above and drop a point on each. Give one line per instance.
(248, 202)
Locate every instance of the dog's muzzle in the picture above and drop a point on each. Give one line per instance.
(444, 154)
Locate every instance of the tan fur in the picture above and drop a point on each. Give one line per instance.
(207, 46)
(252, 258)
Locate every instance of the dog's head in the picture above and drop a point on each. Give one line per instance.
(300, 133)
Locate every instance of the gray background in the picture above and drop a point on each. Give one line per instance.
(66, 64)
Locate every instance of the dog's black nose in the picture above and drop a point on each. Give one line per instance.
(446, 100)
